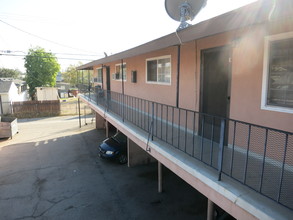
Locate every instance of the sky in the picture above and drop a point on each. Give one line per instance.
(83, 30)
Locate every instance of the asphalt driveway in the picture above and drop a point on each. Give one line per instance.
(50, 170)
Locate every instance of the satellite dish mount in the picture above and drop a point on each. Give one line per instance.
(184, 10)
(185, 15)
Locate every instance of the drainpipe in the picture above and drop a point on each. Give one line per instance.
(102, 76)
(89, 88)
(122, 90)
(178, 75)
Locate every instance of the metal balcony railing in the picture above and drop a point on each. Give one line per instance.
(255, 156)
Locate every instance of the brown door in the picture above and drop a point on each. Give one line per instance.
(108, 78)
(215, 86)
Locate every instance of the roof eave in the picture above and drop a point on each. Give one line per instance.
(248, 15)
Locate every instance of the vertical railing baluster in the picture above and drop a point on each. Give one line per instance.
(167, 122)
(212, 142)
(193, 134)
(185, 131)
(263, 161)
(233, 148)
(132, 110)
(140, 112)
(172, 135)
(202, 137)
(128, 108)
(148, 115)
(153, 117)
(161, 121)
(157, 116)
(107, 101)
(123, 106)
(179, 114)
(283, 166)
(143, 114)
(136, 112)
(247, 154)
(221, 148)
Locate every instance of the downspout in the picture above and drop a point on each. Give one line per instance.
(122, 90)
(178, 74)
(89, 86)
(122, 77)
(102, 76)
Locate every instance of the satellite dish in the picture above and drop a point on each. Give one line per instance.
(184, 10)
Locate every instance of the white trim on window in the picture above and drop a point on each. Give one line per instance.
(124, 73)
(264, 104)
(146, 70)
(101, 78)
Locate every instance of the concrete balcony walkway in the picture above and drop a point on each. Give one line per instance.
(194, 159)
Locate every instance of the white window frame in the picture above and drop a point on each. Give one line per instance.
(100, 68)
(265, 78)
(120, 76)
(146, 70)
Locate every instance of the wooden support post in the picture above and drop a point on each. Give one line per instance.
(211, 210)
(160, 178)
(128, 152)
(107, 128)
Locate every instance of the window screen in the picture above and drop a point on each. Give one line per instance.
(280, 79)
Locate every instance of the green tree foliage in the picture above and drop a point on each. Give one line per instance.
(70, 75)
(41, 69)
(10, 73)
(75, 77)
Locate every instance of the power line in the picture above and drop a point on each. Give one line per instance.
(64, 58)
(70, 54)
(34, 35)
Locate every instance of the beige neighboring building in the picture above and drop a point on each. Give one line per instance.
(46, 93)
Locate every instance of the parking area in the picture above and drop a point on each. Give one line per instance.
(50, 170)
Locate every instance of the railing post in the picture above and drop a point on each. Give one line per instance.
(123, 106)
(97, 96)
(153, 117)
(79, 113)
(107, 97)
(221, 148)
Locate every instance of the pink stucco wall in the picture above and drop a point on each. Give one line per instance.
(247, 47)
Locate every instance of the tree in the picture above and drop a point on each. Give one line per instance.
(70, 75)
(10, 73)
(41, 69)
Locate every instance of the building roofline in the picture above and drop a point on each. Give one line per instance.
(254, 13)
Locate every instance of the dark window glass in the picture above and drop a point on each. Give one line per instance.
(280, 79)
(99, 78)
(152, 70)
